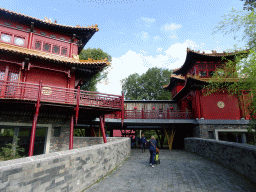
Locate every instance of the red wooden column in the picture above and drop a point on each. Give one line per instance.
(71, 132)
(92, 131)
(33, 131)
(198, 104)
(122, 106)
(102, 124)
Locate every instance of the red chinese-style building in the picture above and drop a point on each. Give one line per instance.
(218, 115)
(40, 79)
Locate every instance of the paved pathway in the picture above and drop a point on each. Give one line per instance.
(179, 171)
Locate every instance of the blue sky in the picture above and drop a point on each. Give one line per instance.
(139, 34)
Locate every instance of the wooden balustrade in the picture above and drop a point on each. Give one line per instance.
(29, 91)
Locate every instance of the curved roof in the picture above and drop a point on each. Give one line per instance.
(82, 33)
(192, 56)
(173, 80)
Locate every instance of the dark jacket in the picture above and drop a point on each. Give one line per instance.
(151, 146)
(143, 140)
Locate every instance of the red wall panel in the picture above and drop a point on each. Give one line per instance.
(50, 78)
(210, 110)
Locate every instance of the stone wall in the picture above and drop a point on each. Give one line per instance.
(79, 142)
(237, 156)
(70, 170)
(202, 130)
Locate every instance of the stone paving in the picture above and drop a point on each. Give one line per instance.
(179, 171)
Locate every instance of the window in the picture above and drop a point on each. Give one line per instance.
(64, 51)
(56, 49)
(38, 45)
(6, 38)
(202, 73)
(47, 47)
(19, 41)
(211, 73)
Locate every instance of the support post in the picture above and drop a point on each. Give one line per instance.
(142, 113)
(71, 132)
(122, 105)
(77, 103)
(102, 124)
(92, 131)
(33, 131)
(168, 113)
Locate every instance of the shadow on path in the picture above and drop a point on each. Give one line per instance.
(179, 171)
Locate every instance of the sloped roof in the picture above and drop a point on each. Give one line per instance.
(174, 78)
(192, 56)
(82, 33)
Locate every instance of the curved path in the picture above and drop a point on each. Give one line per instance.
(179, 171)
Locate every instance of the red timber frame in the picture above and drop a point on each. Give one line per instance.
(33, 131)
(102, 125)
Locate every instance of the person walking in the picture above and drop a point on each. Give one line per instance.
(153, 144)
(143, 142)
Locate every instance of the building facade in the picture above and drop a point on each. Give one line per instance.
(40, 79)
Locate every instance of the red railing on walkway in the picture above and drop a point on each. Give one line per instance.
(29, 91)
(152, 114)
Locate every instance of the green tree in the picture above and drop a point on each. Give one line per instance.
(148, 86)
(243, 68)
(96, 54)
(249, 4)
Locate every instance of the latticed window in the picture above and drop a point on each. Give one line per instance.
(19, 41)
(56, 49)
(211, 73)
(38, 45)
(47, 47)
(64, 51)
(202, 73)
(6, 38)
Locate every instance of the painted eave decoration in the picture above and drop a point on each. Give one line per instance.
(173, 79)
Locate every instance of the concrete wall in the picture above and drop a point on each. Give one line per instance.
(70, 170)
(237, 156)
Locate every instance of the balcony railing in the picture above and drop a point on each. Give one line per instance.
(152, 114)
(29, 91)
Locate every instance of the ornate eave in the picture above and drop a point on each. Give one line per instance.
(174, 78)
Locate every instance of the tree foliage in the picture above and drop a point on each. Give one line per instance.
(243, 67)
(148, 86)
(249, 5)
(96, 54)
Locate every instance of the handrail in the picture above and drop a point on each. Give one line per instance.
(153, 114)
(29, 91)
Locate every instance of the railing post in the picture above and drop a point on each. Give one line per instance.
(77, 103)
(142, 113)
(102, 125)
(122, 106)
(71, 132)
(33, 130)
(168, 113)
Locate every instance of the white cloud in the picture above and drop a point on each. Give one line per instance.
(159, 49)
(174, 36)
(148, 20)
(144, 34)
(156, 37)
(133, 62)
(170, 27)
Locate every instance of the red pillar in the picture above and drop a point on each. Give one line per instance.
(92, 131)
(71, 132)
(198, 104)
(33, 131)
(122, 106)
(102, 124)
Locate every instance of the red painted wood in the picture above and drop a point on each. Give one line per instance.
(77, 103)
(71, 132)
(33, 130)
(102, 125)
(212, 111)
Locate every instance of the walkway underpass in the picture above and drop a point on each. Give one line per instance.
(179, 171)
